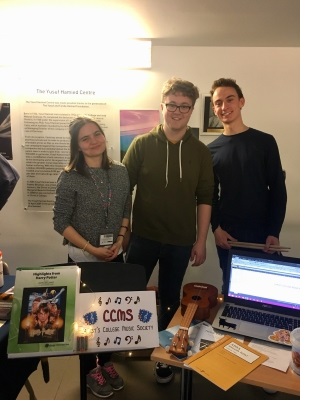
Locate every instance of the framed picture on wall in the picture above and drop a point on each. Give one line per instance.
(210, 124)
(134, 123)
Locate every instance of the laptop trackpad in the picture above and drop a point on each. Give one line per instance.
(244, 328)
(257, 331)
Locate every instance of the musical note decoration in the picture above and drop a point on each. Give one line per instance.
(129, 339)
(138, 339)
(117, 340)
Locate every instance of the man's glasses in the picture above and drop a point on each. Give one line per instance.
(171, 107)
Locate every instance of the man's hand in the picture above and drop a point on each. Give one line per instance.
(271, 240)
(198, 254)
(222, 238)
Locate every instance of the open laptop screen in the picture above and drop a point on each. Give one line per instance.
(264, 278)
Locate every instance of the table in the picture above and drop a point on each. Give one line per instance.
(262, 376)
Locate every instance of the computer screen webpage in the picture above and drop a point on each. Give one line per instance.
(273, 282)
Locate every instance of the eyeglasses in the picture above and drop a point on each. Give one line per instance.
(171, 107)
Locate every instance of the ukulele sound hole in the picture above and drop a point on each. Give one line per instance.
(196, 298)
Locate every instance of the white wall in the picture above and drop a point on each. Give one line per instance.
(269, 78)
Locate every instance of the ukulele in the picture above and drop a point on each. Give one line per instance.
(198, 299)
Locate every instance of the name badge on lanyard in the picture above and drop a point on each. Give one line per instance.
(106, 239)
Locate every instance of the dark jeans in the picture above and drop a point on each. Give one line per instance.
(172, 261)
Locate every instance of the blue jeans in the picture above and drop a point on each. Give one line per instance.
(172, 260)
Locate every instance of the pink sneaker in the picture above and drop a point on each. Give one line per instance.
(112, 376)
(97, 383)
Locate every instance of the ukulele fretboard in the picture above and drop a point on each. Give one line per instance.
(188, 315)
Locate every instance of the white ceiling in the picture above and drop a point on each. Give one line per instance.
(212, 23)
(224, 23)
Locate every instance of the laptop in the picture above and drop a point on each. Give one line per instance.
(262, 299)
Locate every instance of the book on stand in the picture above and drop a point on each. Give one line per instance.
(43, 311)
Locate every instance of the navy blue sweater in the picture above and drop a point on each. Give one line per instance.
(250, 189)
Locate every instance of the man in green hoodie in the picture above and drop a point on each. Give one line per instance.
(173, 175)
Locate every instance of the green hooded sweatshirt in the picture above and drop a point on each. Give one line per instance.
(170, 180)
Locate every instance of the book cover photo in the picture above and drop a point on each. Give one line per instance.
(42, 315)
(43, 311)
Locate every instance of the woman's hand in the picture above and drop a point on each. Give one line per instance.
(114, 251)
(107, 253)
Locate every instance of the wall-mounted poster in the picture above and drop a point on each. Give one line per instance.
(5, 131)
(211, 125)
(134, 123)
(46, 144)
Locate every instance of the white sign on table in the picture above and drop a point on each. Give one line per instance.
(107, 321)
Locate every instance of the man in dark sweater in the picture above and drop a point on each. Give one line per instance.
(250, 193)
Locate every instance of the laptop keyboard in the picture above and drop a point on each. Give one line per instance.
(263, 318)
